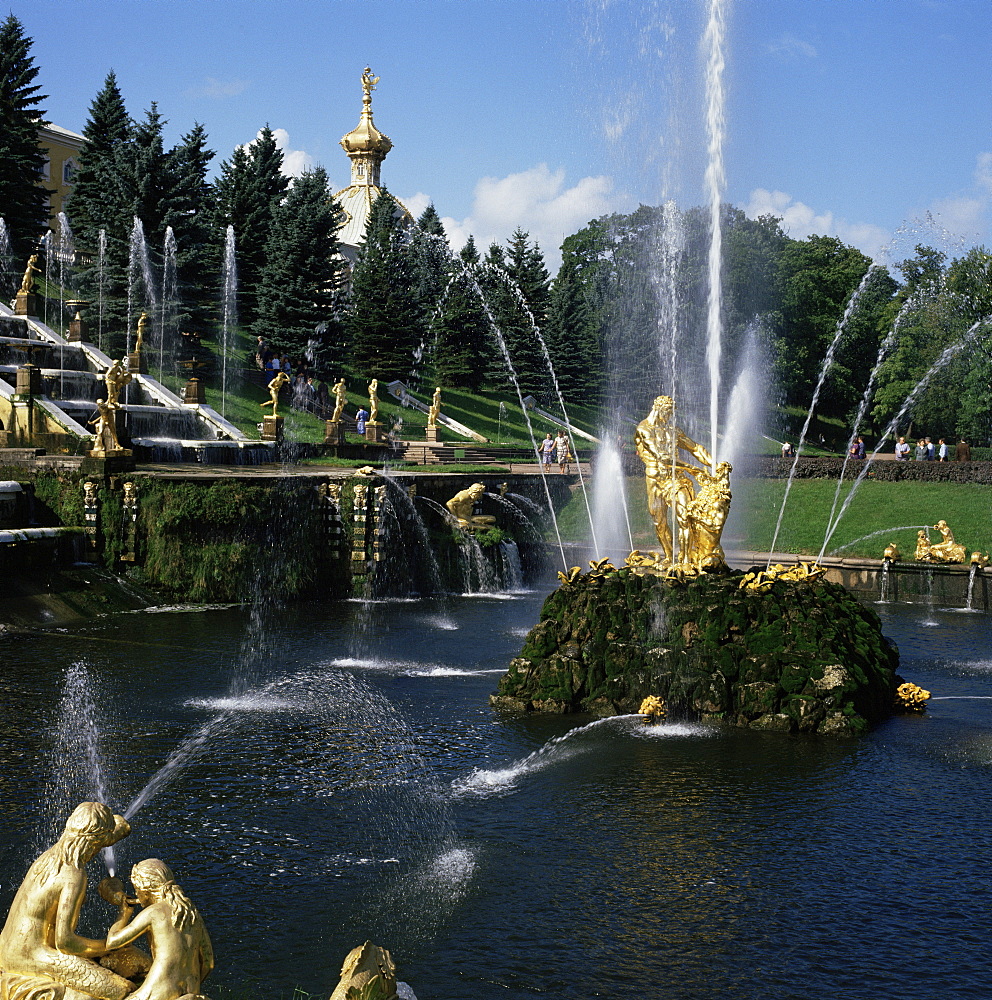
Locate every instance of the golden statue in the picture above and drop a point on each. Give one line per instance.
(435, 409)
(140, 338)
(911, 698)
(182, 955)
(699, 516)
(706, 514)
(275, 385)
(105, 423)
(946, 551)
(340, 398)
(116, 376)
(892, 552)
(364, 966)
(462, 505)
(27, 282)
(373, 401)
(40, 952)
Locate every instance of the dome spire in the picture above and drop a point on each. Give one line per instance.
(365, 145)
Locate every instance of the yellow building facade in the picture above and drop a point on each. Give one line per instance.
(62, 156)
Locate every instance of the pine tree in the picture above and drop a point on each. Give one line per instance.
(250, 187)
(188, 212)
(516, 286)
(107, 131)
(299, 289)
(23, 202)
(431, 260)
(99, 203)
(572, 331)
(462, 331)
(386, 322)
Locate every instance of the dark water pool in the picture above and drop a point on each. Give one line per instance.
(345, 779)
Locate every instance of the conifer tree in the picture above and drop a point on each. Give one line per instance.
(386, 323)
(188, 212)
(431, 260)
(23, 202)
(572, 332)
(250, 186)
(300, 285)
(516, 287)
(461, 330)
(99, 203)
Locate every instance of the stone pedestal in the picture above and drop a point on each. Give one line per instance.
(107, 463)
(374, 432)
(431, 435)
(136, 363)
(77, 329)
(333, 432)
(28, 380)
(194, 392)
(26, 304)
(272, 428)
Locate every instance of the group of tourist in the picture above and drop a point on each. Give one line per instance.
(555, 448)
(927, 451)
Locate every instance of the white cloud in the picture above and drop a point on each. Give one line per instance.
(294, 161)
(800, 221)
(538, 201)
(961, 216)
(416, 203)
(965, 214)
(790, 48)
(983, 171)
(218, 89)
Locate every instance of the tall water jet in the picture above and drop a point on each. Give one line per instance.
(230, 293)
(167, 314)
(828, 361)
(522, 302)
(101, 260)
(5, 283)
(715, 182)
(612, 535)
(140, 281)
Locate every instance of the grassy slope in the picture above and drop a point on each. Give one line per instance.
(478, 411)
(876, 507)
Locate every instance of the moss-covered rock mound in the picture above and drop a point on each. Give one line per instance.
(804, 656)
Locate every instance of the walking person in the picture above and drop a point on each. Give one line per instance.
(962, 453)
(561, 447)
(941, 450)
(546, 449)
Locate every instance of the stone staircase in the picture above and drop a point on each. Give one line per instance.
(426, 453)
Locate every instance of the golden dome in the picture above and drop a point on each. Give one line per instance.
(366, 138)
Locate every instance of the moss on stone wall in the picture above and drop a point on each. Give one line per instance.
(805, 656)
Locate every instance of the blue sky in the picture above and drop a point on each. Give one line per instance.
(856, 118)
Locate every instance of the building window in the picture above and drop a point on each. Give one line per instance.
(46, 170)
(69, 169)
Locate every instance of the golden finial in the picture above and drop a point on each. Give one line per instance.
(368, 85)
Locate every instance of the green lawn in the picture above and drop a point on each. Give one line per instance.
(877, 507)
(478, 411)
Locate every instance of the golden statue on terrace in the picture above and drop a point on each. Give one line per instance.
(116, 376)
(373, 401)
(274, 386)
(462, 507)
(946, 551)
(435, 408)
(27, 282)
(340, 398)
(42, 957)
(699, 514)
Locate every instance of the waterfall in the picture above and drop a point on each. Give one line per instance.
(230, 277)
